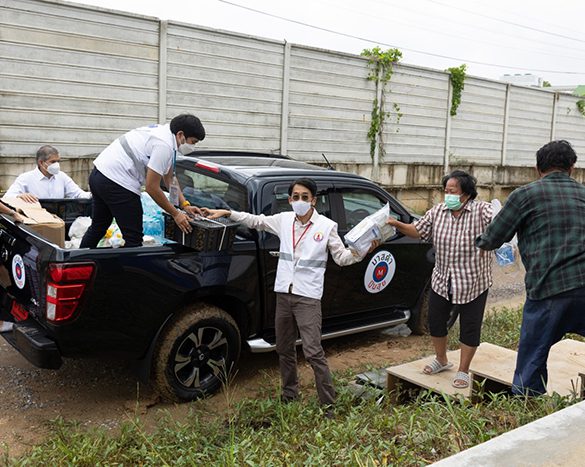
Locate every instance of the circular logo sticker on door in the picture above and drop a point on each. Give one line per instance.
(379, 272)
(18, 271)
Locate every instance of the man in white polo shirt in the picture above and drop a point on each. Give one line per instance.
(142, 157)
(306, 238)
(46, 181)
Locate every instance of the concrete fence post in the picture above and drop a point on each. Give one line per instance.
(380, 133)
(553, 123)
(503, 155)
(285, 99)
(447, 149)
(162, 71)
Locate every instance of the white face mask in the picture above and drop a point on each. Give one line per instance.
(53, 168)
(301, 207)
(186, 148)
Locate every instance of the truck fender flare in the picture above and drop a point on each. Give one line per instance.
(144, 364)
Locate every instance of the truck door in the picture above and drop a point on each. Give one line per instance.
(392, 276)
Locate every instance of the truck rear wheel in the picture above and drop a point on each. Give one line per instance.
(419, 321)
(196, 354)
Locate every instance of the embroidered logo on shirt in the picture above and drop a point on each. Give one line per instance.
(379, 272)
(318, 236)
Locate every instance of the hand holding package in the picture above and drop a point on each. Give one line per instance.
(373, 227)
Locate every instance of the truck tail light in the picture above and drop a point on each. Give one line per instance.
(65, 287)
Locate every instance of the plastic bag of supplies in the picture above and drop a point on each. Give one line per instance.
(505, 255)
(373, 227)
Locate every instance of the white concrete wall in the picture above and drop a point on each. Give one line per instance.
(77, 77)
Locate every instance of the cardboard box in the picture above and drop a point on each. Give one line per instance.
(39, 219)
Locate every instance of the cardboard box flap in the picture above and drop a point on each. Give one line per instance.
(34, 213)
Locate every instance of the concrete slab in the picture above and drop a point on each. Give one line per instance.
(555, 440)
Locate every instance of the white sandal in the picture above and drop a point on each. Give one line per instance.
(461, 380)
(436, 367)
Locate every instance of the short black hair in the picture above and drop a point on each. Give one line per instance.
(46, 151)
(558, 155)
(308, 183)
(466, 181)
(190, 125)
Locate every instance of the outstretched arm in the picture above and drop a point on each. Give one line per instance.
(406, 229)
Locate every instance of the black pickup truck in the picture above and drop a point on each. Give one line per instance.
(185, 315)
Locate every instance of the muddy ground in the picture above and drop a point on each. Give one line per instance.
(106, 393)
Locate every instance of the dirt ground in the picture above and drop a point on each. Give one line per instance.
(101, 393)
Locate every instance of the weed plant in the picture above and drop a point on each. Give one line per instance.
(263, 431)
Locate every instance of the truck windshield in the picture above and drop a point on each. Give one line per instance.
(202, 190)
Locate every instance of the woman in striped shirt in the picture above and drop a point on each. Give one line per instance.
(462, 274)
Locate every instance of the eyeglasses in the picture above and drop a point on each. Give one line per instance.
(304, 197)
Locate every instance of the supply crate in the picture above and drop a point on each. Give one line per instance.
(207, 234)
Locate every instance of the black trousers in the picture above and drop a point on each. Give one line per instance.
(470, 317)
(111, 200)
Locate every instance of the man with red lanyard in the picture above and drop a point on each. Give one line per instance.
(305, 239)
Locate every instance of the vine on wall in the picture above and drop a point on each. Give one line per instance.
(581, 106)
(457, 77)
(381, 66)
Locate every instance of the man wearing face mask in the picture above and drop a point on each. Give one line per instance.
(46, 181)
(142, 157)
(306, 237)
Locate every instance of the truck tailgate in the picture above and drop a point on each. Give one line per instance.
(22, 283)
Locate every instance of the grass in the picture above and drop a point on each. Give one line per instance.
(262, 431)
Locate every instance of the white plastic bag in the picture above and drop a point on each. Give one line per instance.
(113, 237)
(373, 227)
(79, 227)
(505, 255)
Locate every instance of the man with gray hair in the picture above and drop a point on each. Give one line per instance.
(46, 180)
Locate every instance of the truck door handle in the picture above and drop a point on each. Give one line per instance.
(276, 254)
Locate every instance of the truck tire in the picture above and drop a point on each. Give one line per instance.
(195, 354)
(419, 320)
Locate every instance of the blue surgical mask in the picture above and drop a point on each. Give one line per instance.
(453, 202)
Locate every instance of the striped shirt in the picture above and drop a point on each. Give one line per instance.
(461, 270)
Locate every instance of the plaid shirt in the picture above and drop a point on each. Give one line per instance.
(461, 270)
(549, 217)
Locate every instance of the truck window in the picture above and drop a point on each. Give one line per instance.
(358, 204)
(201, 190)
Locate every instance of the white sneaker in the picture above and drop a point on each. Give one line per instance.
(6, 326)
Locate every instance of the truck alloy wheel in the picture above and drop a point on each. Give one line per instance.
(196, 354)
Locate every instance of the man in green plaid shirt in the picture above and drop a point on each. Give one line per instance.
(549, 217)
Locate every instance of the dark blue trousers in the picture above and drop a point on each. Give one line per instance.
(544, 323)
(111, 200)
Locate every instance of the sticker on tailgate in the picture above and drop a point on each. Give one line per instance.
(18, 271)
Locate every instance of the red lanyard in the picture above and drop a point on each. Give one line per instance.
(295, 243)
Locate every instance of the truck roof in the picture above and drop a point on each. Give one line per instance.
(245, 165)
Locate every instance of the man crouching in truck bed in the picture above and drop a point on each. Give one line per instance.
(143, 156)
(305, 238)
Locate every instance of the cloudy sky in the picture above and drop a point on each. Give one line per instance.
(493, 38)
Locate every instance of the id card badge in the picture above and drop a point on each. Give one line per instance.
(174, 191)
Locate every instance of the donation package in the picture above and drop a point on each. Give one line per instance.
(39, 219)
(373, 227)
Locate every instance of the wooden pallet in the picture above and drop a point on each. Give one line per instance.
(492, 370)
